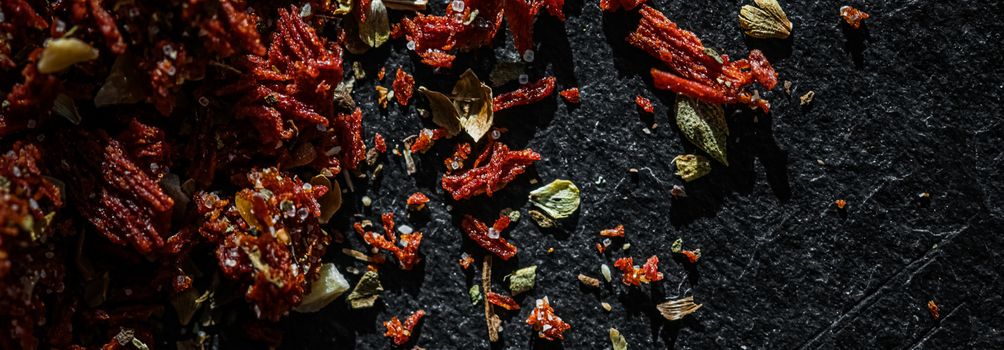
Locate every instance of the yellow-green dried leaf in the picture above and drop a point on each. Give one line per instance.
(704, 125)
(331, 201)
(366, 292)
(541, 219)
(475, 293)
(559, 199)
(677, 245)
(522, 280)
(766, 20)
(344, 7)
(617, 339)
(187, 303)
(62, 53)
(473, 101)
(691, 167)
(376, 29)
(443, 112)
(329, 285)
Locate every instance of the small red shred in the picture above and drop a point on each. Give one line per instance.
(401, 333)
(645, 104)
(417, 201)
(614, 5)
(634, 275)
(933, 308)
(696, 71)
(379, 144)
(570, 95)
(503, 301)
(543, 320)
(601, 248)
(460, 154)
(853, 16)
(613, 232)
(525, 95)
(426, 138)
(405, 250)
(382, 73)
(478, 232)
(691, 255)
(465, 261)
(840, 203)
(404, 86)
(502, 168)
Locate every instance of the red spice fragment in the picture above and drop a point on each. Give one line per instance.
(20, 19)
(853, 16)
(401, 333)
(645, 104)
(26, 197)
(601, 248)
(696, 71)
(460, 154)
(614, 5)
(543, 320)
(525, 94)
(465, 261)
(501, 169)
(634, 275)
(840, 203)
(426, 138)
(570, 95)
(692, 255)
(479, 233)
(405, 250)
(613, 232)
(503, 301)
(933, 308)
(29, 100)
(382, 73)
(417, 201)
(379, 144)
(404, 86)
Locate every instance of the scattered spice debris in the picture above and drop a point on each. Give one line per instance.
(853, 16)
(526, 94)
(570, 95)
(677, 309)
(502, 167)
(613, 232)
(644, 104)
(559, 199)
(366, 291)
(634, 275)
(503, 301)
(589, 281)
(465, 261)
(806, 99)
(691, 167)
(543, 320)
(522, 280)
(766, 20)
(405, 249)
(617, 339)
(417, 201)
(934, 309)
(840, 203)
(400, 333)
(404, 85)
(614, 5)
(490, 238)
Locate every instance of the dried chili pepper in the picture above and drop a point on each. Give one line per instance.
(525, 95)
(613, 232)
(644, 104)
(543, 320)
(400, 333)
(853, 16)
(405, 249)
(634, 275)
(404, 86)
(426, 138)
(570, 95)
(696, 71)
(489, 238)
(933, 308)
(417, 201)
(379, 144)
(692, 255)
(503, 301)
(501, 169)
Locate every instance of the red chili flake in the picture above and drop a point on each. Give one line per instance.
(601, 248)
(853, 16)
(404, 85)
(696, 71)
(613, 232)
(401, 333)
(348, 136)
(28, 100)
(460, 154)
(382, 73)
(525, 95)
(614, 5)
(405, 250)
(840, 203)
(692, 255)
(543, 320)
(20, 19)
(489, 239)
(426, 138)
(417, 201)
(645, 104)
(501, 169)
(570, 95)
(933, 308)
(634, 275)
(465, 261)
(27, 197)
(379, 144)
(503, 301)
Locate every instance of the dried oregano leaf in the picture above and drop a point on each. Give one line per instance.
(522, 280)
(677, 245)
(376, 29)
(559, 199)
(329, 285)
(617, 339)
(691, 167)
(676, 309)
(475, 293)
(366, 292)
(704, 125)
(765, 20)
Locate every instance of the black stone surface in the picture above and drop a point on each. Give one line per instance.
(909, 104)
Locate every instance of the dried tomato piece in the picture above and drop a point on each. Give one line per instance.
(501, 169)
(692, 255)
(29, 100)
(401, 333)
(503, 301)
(348, 138)
(379, 144)
(527, 94)
(614, 5)
(465, 261)
(460, 154)
(613, 232)
(405, 249)
(426, 138)
(417, 201)
(519, 14)
(570, 95)
(634, 275)
(934, 309)
(645, 104)
(698, 72)
(489, 238)
(404, 86)
(853, 16)
(26, 198)
(543, 320)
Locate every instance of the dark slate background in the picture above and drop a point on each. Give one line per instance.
(909, 104)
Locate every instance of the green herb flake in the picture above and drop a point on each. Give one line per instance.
(475, 293)
(677, 245)
(704, 125)
(366, 292)
(522, 280)
(559, 199)
(691, 167)
(617, 339)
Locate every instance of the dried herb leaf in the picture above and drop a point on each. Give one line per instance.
(541, 219)
(617, 339)
(344, 7)
(605, 271)
(444, 113)
(475, 293)
(329, 285)
(123, 85)
(376, 29)
(331, 201)
(676, 309)
(765, 20)
(492, 320)
(522, 280)
(806, 99)
(187, 303)
(66, 108)
(244, 208)
(62, 53)
(589, 281)
(473, 100)
(691, 167)
(677, 245)
(704, 125)
(559, 199)
(366, 292)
